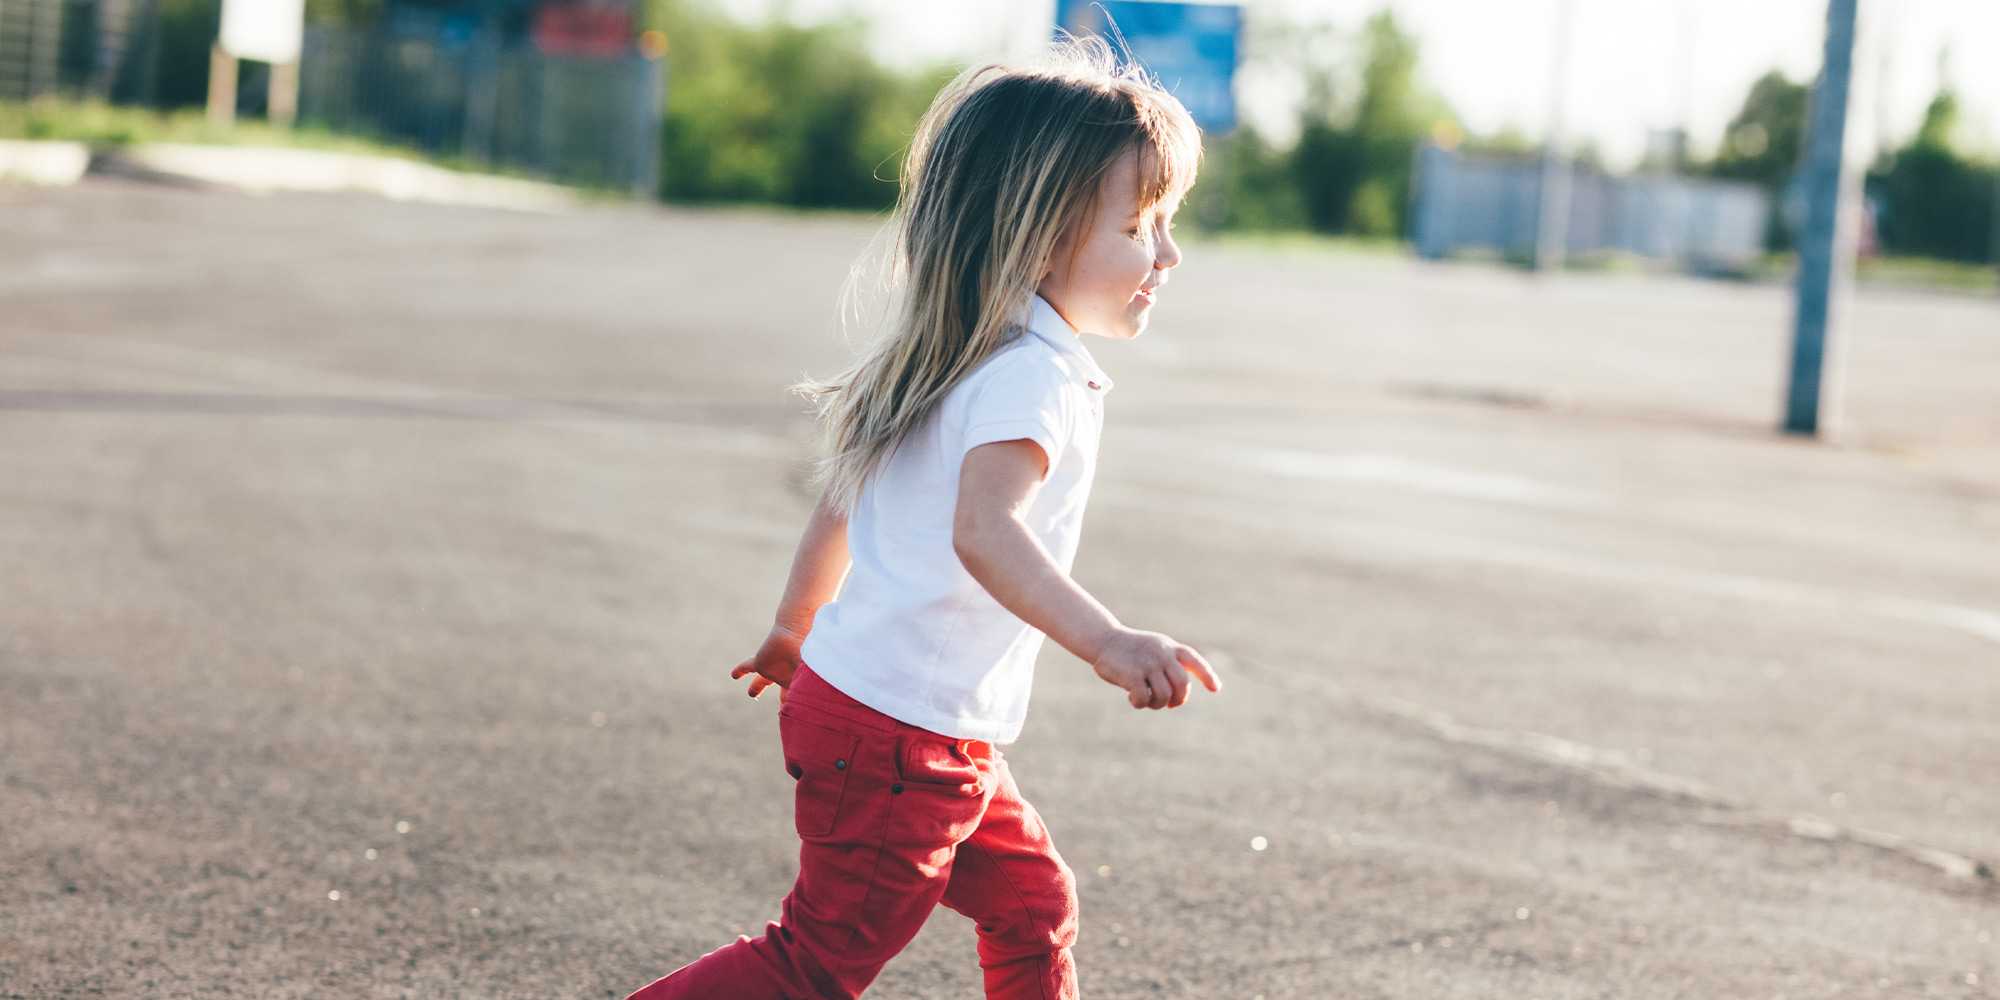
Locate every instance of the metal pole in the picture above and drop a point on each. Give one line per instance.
(221, 86)
(282, 103)
(1826, 254)
(1552, 226)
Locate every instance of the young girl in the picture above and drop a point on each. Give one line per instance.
(1036, 206)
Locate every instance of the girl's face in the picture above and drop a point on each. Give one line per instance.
(1108, 269)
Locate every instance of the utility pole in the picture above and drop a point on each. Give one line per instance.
(1826, 253)
(1552, 225)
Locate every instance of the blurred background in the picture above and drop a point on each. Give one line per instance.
(1572, 433)
(1681, 120)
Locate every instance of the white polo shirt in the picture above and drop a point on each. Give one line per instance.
(912, 634)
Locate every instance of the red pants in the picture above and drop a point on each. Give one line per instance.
(893, 820)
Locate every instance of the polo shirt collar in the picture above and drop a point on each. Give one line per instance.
(1043, 321)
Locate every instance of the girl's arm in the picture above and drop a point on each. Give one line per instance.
(818, 567)
(997, 483)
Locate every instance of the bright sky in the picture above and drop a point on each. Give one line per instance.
(1636, 65)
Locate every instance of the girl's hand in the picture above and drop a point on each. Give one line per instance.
(774, 662)
(1152, 668)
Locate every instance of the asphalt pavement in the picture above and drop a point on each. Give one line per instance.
(370, 574)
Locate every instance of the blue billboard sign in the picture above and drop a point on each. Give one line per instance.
(1190, 47)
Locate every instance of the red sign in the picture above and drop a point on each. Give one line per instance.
(583, 29)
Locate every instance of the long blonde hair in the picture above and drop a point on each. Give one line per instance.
(1004, 162)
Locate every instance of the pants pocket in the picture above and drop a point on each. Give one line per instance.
(940, 795)
(819, 758)
(937, 762)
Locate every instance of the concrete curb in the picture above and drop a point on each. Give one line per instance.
(267, 169)
(39, 162)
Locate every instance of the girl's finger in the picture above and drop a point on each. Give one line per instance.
(758, 684)
(1177, 677)
(1194, 662)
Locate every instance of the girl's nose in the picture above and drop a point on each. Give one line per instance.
(1169, 254)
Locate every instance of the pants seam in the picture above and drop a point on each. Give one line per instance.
(1041, 982)
(861, 917)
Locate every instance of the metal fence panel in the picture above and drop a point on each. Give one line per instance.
(55, 46)
(578, 119)
(1474, 202)
(586, 120)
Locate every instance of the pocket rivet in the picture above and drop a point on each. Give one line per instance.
(840, 765)
(896, 789)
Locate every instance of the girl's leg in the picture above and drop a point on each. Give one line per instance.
(1020, 894)
(880, 810)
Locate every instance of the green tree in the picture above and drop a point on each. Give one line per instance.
(1935, 202)
(1762, 144)
(187, 31)
(797, 115)
(1353, 161)
(1246, 183)
(1763, 141)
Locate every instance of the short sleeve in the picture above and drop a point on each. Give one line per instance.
(1022, 395)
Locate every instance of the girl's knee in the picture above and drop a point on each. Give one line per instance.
(1067, 910)
(1049, 920)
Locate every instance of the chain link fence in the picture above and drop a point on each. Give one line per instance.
(74, 47)
(477, 98)
(1470, 202)
(585, 120)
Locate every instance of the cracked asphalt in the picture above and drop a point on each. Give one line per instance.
(372, 572)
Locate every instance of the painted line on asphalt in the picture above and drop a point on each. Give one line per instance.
(1612, 769)
(284, 388)
(1397, 471)
(1396, 539)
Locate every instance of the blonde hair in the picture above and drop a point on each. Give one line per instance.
(1004, 162)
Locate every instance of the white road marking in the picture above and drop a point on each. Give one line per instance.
(1397, 471)
(242, 372)
(1399, 539)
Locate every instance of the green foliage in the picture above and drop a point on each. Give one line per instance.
(1246, 184)
(1934, 201)
(108, 125)
(187, 33)
(1762, 143)
(802, 116)
(1353, 163)
(782, 113)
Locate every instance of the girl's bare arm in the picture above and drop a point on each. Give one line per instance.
(997, 483)
(818, 567)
